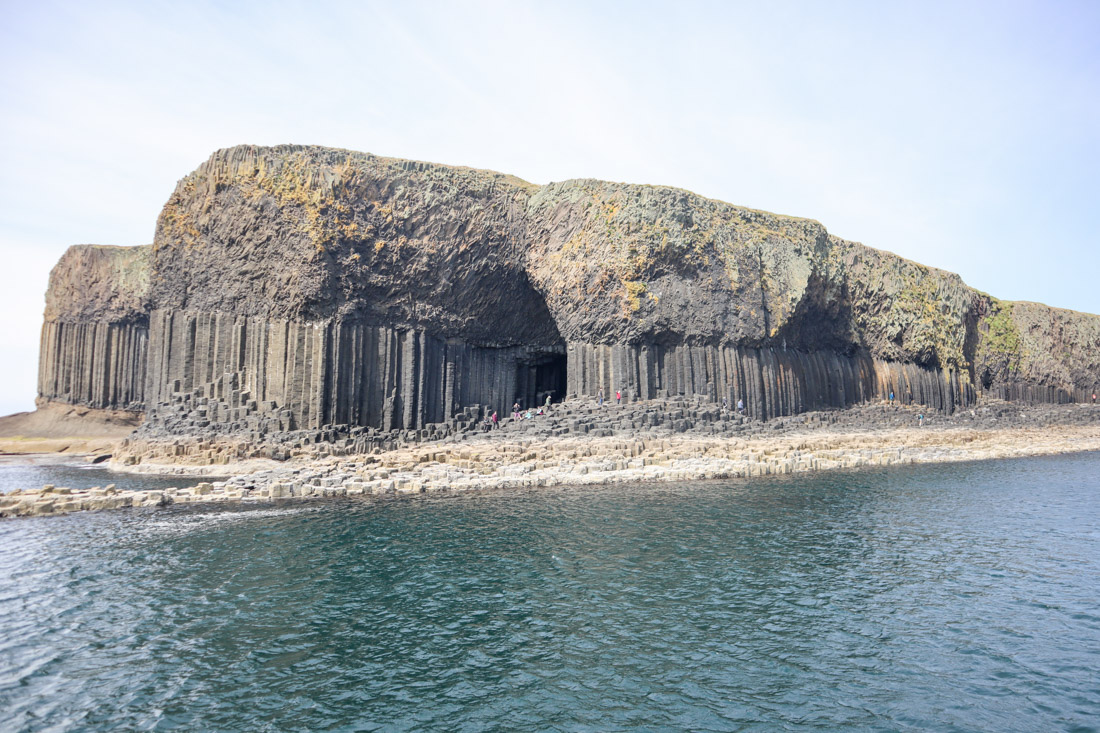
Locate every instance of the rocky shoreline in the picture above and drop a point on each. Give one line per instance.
(581, 443)
(321, 322)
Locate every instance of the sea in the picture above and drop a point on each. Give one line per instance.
(937, 597)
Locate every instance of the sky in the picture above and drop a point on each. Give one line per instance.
(962, 135)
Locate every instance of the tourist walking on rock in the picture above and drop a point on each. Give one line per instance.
(599, 398)
(496, 420)
(548, 402)
(920, 420)
(515, 411)
(740, 407)
(618, 397)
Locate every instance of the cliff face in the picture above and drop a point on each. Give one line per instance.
(621, 263)
(100, 282)
(337, 234)
(1030, 351)
(339, 287)
(96, 326)
(303, 286)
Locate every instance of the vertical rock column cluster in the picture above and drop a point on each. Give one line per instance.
(96, 364)
(771, 382)
(325, 373)
(95, 336)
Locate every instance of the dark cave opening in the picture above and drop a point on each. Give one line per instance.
(987, 379)
(539, 375)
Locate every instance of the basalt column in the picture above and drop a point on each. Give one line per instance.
(94, 364)
(94, 342)
(771, 382)
(326, 373)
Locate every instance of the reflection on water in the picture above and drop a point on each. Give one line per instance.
(936, 597)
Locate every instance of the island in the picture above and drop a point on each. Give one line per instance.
(319, 321)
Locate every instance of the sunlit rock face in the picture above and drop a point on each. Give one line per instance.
(297, 287)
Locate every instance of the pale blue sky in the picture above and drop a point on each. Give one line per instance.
(962, 135)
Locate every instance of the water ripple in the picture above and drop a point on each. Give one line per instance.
(934, 597)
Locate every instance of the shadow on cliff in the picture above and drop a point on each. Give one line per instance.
(822, 321)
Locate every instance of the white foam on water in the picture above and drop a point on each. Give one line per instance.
(191, 522)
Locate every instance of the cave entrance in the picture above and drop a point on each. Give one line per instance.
(538, 375)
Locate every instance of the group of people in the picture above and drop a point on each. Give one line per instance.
(618, 397)
(740, 405)
(519, 414)
(492, 420)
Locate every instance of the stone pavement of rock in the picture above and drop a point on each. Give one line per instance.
(579, 443)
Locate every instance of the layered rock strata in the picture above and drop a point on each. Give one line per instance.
(299, 288)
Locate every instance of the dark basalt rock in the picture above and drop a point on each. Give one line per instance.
(312, 233)
(293, 288)
(96, 329)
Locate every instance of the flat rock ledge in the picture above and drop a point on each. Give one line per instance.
(502, 459)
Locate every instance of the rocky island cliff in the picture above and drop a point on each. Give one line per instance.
(295, 288)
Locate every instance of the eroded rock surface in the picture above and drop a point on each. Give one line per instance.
(301, 288)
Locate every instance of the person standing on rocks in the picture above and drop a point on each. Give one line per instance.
(1094, 398)
(548, 402)
(599, 398)
(618, 397)
(515, 411)
(740, 407)
(496, 420)
(920, 420)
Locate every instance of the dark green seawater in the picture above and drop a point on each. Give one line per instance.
(959, 597)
